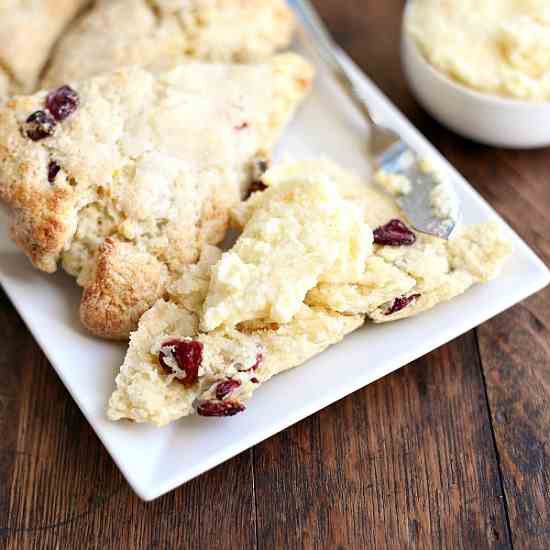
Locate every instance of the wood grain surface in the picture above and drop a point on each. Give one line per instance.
(451, 452)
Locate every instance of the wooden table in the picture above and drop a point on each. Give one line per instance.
(451, 452)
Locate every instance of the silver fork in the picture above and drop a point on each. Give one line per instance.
(388, 149)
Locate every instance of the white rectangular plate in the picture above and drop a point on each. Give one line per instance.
(155, 461)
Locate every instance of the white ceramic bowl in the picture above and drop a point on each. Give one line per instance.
(485, 118)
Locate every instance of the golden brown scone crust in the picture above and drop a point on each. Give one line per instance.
(124, 282)
(42, 214)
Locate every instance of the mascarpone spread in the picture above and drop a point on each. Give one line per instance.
(498, 47)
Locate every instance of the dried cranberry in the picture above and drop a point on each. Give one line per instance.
(401, 303)
(223, 389)
(255, 186)
(62, 102)
(39, 125)
(53, 170)
(188, 356)
(254, 380)
(219, 408)
(394, 233)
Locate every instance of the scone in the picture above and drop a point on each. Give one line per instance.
(28, 31)
(123, 178)
(173, 370)
(407, 272)
(154, 33)
(234, 320)
(302, 275)
(402, 280)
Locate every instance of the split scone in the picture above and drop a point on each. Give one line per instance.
(28, 31)
(407, 272)
(302, 275)
(171, 370)
(123, 178)
(153, 33)
(232, 323)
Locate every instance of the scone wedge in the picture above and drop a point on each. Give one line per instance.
(300, 277)
(407, 272)
(403, 281)
(123, 178)
(235, 319)
(162, 33)
(28, 31)
(173, 370)
(410, 272)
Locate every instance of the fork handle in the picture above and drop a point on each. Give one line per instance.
(321, 41)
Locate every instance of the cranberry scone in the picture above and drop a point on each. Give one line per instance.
(172, 369)
(123, 178)
(407, 272)
(28, 31)
(233, 321)
(410, 273)
(115, 33)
